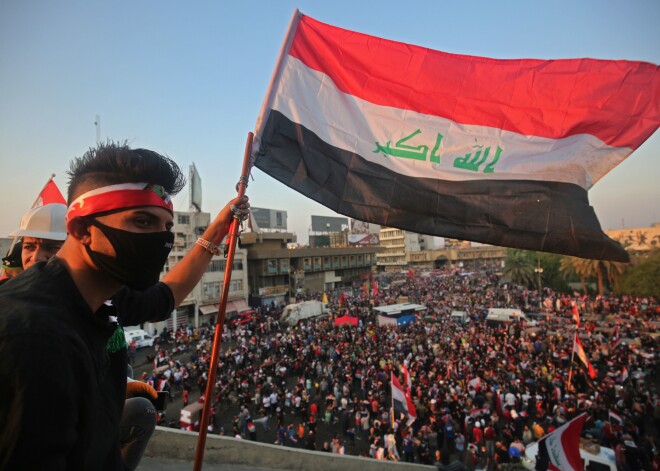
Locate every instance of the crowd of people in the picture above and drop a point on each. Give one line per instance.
(481, 392)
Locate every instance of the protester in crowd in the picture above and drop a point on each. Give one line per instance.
(12, 264)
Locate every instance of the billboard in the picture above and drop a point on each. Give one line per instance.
(269, 218)
(329, 224)
(362, 227)
(364, 239)
(195, 188)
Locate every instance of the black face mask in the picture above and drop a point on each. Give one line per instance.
(140, 256)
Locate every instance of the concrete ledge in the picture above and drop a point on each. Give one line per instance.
(168, 443)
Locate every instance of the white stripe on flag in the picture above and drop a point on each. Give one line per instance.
(356, 125)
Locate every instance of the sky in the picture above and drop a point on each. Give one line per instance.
(187, 79)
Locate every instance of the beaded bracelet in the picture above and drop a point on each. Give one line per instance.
(209, 246)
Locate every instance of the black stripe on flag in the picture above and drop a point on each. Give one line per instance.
(527, 214)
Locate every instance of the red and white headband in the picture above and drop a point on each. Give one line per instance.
(119, 197)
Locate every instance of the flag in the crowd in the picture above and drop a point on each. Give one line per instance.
(624, 375)
(556, 393)
(406, 378)
(615, 418)
(560, 449)
(576, 314)
(401, 401)
(409, 137)
(579, 351)
(616, 339)
(475, 382)
(374, 291)
(49, 194)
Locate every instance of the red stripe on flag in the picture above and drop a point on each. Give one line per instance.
(616, 101)
(49, 195)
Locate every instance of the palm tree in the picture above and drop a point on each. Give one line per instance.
(592, 269)
(569, 267)
(518, 267)
(599, 269)
(614, 270)
(640, 238)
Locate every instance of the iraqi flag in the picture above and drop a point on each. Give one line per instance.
(579, 351)
(49, 194)
(496, 151)
(560, 449)
(406, 378)
(615, 418)
(402, 402)
(576, 314)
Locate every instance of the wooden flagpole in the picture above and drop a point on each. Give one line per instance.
(232, 241)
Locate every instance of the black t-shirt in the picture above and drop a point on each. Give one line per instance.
(61, 392)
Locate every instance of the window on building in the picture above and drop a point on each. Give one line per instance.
(211, 291)
(272, 265)
(236, 285)
(183, 219)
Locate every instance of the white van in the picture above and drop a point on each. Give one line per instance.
(498, 315)
(602, 460)
(141, 338)
(459, 316)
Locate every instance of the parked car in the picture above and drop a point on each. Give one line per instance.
(141, 338)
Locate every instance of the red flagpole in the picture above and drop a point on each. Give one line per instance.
(232, 240)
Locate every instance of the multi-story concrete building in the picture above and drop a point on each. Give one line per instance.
(466, 257)
(275, 271)
(397, 245)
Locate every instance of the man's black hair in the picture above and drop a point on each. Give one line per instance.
(112, 163)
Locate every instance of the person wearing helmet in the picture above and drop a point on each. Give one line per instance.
(11, 263)
(60, 320)
(43, 230)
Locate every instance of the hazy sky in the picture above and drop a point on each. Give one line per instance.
(187, 79)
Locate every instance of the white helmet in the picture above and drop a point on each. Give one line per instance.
(44, 222)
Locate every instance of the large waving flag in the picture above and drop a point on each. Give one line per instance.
(495, 151)
(560, 449)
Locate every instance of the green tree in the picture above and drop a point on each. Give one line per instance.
(552, 276)
(643, 279)
(519, 267)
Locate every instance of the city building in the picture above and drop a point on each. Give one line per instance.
(397, 245)
(640, 239)
(275, 271)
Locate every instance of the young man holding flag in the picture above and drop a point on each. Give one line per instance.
(56, 324)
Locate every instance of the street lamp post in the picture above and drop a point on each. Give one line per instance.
(538, 270)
